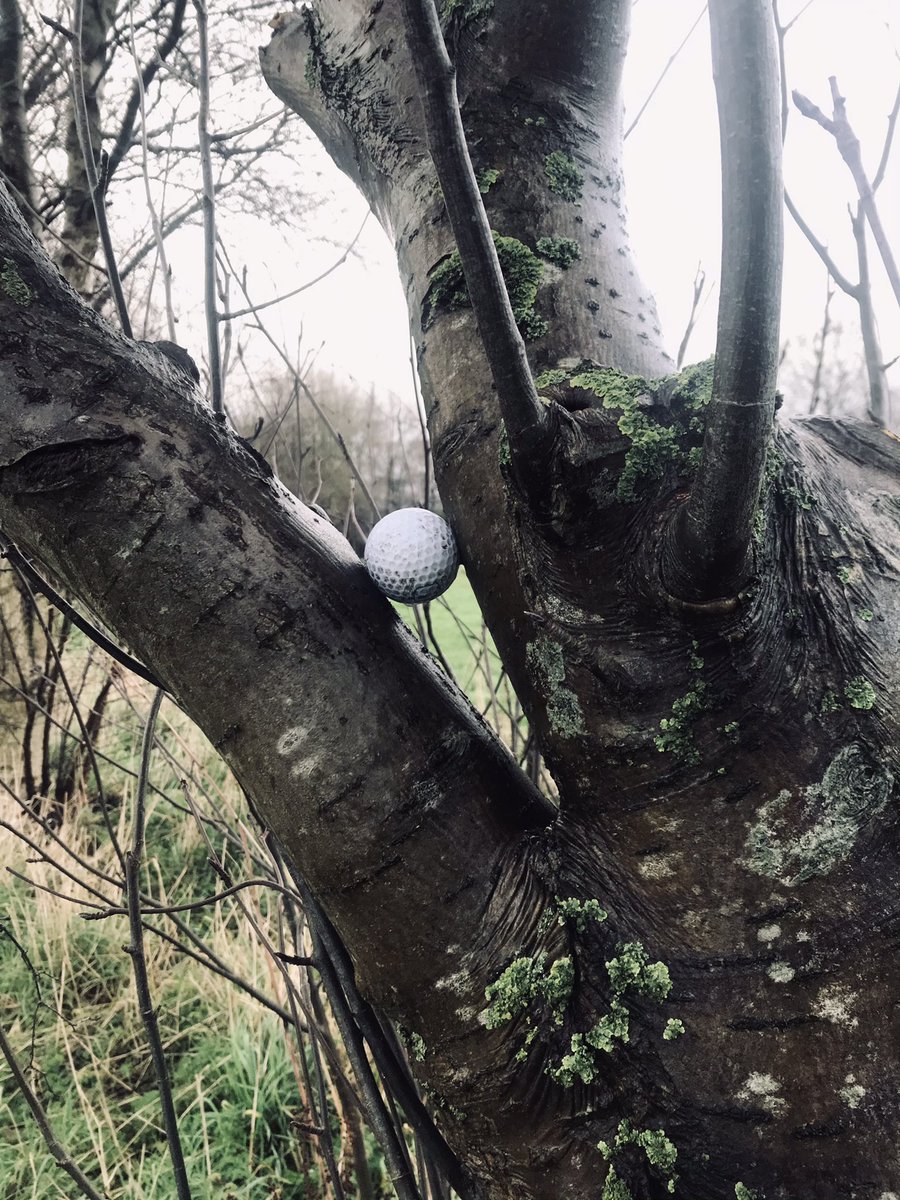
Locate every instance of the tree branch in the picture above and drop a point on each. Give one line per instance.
(848, 146)
(139, 961)
(713, 533)
(59, 1152)
(209, 218)
(522, 411)
(263, 623)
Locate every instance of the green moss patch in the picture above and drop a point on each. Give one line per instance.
(522, 272)
(13, 285)
(563, 175)
(659, 1150)
(562, 251)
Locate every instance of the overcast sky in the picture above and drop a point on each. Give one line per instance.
(672, 180)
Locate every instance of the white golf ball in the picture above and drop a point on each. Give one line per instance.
(411, 554)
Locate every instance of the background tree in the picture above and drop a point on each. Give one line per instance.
(683, 969)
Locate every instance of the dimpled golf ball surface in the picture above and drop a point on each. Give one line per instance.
(411, 554)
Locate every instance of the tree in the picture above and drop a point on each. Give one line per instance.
(687, 968)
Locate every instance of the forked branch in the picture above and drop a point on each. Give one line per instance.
(711, 545)
(522, 411)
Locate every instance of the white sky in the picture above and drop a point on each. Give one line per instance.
(672, 184)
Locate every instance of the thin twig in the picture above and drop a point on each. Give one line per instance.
(139, 961)
(21, 563)
(145, 172)
(209, 215)
(699, 284)
(54, 1145)
(88, 740)
(95, 184)
(389, 1063)
(376, 1112)
(878, 177)
(194, 904)
(523, 413)
(672, 58)
(255, 308)
(423, 427)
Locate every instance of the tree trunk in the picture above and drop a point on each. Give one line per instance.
(688, 969)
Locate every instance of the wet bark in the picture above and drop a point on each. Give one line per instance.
(15, 151)
(708, 755)
(727, 772)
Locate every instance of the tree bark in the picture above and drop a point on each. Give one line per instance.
(726, 772)
(15, 151)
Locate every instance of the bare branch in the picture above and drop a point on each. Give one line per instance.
(699, 284)
(713, 533)
(161, 53)
(672, 58)
(55, 1147)
(209, 216)
(522, 411)
(851, 289)
(848, 146)
(139, 961)
(878, 398)
(255, 308)
(95, 184)
(878, 178)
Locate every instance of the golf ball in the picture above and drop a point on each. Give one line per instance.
(411, 554)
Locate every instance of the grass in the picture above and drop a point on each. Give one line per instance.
(67, 997)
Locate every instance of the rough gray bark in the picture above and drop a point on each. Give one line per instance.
(726, 772)
(15, 152)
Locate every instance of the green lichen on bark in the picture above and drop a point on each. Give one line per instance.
(654, 447)
(794, 843)
(659, 1150)
(522, 272)
(742, 1192)
(545, 658)
(631, 975)
(676, 732)
(562, 251)
(13, 285)
(487, 178)
(528, 986)
(563, 175)
(674, 1029)
(860, 693)
(577, 912)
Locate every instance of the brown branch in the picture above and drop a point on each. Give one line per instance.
(55, 1147)
(522, 411)
(139, 961)
(711, 544)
